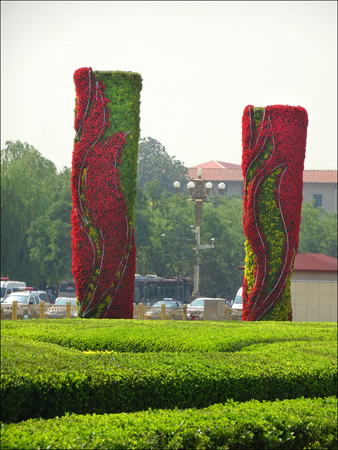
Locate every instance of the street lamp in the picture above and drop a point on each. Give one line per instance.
(199, 191)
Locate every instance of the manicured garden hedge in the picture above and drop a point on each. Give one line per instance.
(157, 336)
(289, 424)
(41, 379)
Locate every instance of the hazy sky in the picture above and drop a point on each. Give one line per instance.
(201, 64)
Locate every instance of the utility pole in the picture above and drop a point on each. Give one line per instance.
(199, 191)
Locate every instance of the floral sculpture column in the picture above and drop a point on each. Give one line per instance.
(274, 140)
(103, 183)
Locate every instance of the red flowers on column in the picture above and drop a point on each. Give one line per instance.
(274, 140)
(104, 254)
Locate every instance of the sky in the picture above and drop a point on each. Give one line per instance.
(201, 64)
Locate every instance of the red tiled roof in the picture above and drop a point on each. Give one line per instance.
(217, 165)
(315, 262)
(212, 172)
(312, 262)
(218, 174)
(320, 176)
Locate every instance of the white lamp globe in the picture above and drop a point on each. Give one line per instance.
(191, 185)
(177, 184)
(221, 186)
(208, 185)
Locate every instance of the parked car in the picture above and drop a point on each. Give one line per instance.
(27, 297)
(171, 313)
(237, 305)
(56, 313)
(195, 310)
(67, 288)
(8, 287)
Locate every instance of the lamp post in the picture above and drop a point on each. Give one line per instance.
(199, 191)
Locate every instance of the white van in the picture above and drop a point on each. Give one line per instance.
(7, 287)
(238, 302)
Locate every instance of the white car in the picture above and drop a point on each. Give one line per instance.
(237, 305)
(172, 310)
(195, 310)
(58, 309)
(27, 297)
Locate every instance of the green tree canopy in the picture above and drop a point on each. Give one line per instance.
(35, 215)
(318, 230)
(167, 248)
(49, 237)
(154, 163)
(219, 274)
(26, 180)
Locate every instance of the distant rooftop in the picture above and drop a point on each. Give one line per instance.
(320, 176)
(312, 262)
(315, 262)
(222, 171)
(217, 165)
(217, 174)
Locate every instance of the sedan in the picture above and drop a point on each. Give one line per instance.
(58, 310)
(173, 310)
(195, 310)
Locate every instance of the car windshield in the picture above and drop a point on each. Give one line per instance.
(63, 301)
(168, 304)
(3, 292)
(238, 299)
(43, 296)
(198, 302)
(67, 288)
(18, 298)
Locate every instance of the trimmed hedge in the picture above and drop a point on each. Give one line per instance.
(45, 380)
(157, 336)
(289, 424)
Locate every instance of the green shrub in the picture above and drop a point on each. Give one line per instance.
(45, 380)
(289, 424)
(158, 336)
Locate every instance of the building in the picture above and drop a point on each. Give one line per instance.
(314, 267)
(313, 288)
(318, 185)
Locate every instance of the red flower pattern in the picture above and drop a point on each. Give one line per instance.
(285, 127)
(103, 244)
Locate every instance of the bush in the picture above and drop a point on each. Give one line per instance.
(289, 424)
(45, 380)
(158, 336)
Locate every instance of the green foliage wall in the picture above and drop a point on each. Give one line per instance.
(123, 91)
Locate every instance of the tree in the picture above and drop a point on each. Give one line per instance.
(154, 163)
(318, 230)
(219, 272)
(27, 180)
(35, 217)
(49, 236)
(168, 251)
(163, 245)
